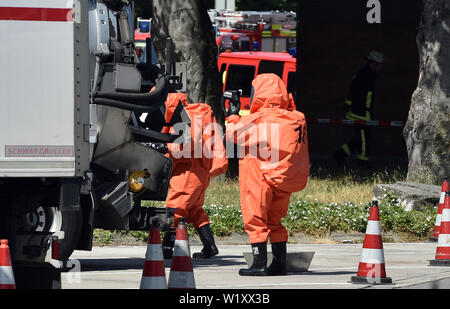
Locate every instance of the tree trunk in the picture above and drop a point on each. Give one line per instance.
(427, 131)
(188, 24)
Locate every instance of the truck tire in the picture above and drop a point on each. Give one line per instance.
(71, 225)
(44, 218)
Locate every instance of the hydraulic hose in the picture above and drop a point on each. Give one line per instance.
(130, 106)
(139, 102)
(138, 98)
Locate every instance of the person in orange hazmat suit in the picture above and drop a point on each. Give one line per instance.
(267, 181)
(191, 174)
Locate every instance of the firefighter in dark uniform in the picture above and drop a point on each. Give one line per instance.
(358, 106)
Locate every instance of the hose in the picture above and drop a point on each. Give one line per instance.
(138, 98)
(139, 102)
(130, 106)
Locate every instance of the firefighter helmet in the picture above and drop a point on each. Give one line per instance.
(376, 56)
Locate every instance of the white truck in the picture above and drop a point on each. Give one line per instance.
(74, 155)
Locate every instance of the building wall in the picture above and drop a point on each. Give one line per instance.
(333, 37)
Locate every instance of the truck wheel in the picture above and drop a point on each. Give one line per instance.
(71, 224)
(38, 217)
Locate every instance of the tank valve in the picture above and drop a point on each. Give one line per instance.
(137, 180)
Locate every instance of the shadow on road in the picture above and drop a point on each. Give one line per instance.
(138, 263)
(327, 273)
(111, 264)
(221, 260)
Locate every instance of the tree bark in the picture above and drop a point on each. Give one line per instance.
(427, 131)
(188, 24)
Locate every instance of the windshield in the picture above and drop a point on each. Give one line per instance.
(142, 52)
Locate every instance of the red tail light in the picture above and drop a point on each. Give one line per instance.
(55, 248)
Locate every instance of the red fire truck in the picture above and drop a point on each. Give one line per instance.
(238, 69)
(266, 31)
(141, 34)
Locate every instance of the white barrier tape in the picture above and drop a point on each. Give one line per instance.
(375, 123)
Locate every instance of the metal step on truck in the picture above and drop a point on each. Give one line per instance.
(74, 154)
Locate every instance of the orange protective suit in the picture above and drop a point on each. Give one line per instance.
(191, 174)
(266, 182)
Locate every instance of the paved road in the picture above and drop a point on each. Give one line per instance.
(331, 268)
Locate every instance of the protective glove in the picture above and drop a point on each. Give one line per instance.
(234, 102)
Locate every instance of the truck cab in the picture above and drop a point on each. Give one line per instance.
(238, 69)
(141, 34)
(71, 147)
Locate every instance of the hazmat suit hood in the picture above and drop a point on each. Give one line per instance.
(172, 101)
(269, 92)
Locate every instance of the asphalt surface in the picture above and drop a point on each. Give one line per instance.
(332, 267)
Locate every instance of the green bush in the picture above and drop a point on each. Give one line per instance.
(312, 218)
(224, 220)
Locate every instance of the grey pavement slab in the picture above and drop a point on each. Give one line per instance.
(331, 268)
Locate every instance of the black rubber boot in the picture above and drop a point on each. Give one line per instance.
(259, 266)
(168, 243)
(278, 266)
(209, 246)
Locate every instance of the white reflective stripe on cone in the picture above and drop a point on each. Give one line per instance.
(374, 256)
(153, 283)
(445, 215)
(181, 279)
(6, 275)
(444, 240)
(154, 253)
(438, 219)
(181, 248)
(373, 228)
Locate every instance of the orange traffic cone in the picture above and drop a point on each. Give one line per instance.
(437, 224)
(6, 272)
(181, 271)
(154, 274)
(442, 257)
(371, 266)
